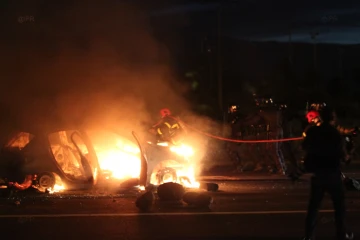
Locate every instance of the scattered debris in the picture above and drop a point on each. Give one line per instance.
(198, 199)
(211, 187)
(170, 191)
(145, 201)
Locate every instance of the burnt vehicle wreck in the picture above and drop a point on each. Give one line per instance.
(59, 158)
(82, 159)
(162, 163)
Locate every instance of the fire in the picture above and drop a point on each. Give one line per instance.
(183, 150)
(56, 188)
(181, 172)
(190, 173)
(123, 160)
(142, 188)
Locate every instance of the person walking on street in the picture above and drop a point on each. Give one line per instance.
(324, 152)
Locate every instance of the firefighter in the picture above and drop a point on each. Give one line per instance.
(314, 119)
(168, 129)
(324, 151)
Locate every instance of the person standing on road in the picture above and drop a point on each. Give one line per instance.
(324, 151)
(314, 119)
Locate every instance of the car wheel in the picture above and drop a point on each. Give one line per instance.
(46, 180)
(166, 175)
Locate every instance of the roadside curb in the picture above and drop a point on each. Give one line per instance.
(303, 178)
(246, 179)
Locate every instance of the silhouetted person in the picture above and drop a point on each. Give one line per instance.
(324, 152)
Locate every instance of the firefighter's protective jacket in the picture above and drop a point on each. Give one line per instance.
(324, 149)
(169, 129)
(341, 130)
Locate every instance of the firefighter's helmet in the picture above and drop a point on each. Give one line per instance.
(312, 115)
(165, 112)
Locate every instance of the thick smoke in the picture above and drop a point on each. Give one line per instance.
(86, 63)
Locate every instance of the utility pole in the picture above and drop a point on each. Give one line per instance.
(290, 45)
(313, 36)
(341, 53)
(219, 61)
(207, 50)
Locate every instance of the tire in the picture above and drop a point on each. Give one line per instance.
(46, 180)
(163, 173)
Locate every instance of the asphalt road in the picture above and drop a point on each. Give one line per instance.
(241, 210)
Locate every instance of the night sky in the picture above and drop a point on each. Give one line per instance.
(256, 33)
(260, 20)
(62, 46)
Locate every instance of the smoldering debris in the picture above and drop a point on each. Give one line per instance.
(170, 191)
(145, 201)
(172, 195)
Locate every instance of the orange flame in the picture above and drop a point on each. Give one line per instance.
(123, 161)
(57, 188)
(120, 159)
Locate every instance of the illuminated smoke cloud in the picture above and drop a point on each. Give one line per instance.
(85, 63)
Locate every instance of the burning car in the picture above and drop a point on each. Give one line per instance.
(162, 163)
(60, 159)
(119, 158)
(79, 159)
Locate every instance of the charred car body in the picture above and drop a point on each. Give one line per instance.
(58, 158)
(162, 162)
(79, 159)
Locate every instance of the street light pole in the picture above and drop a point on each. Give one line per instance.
(313, 35)
(341, 55)
(290, 44)
(219, 60)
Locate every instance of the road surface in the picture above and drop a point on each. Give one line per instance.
(241, 210)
